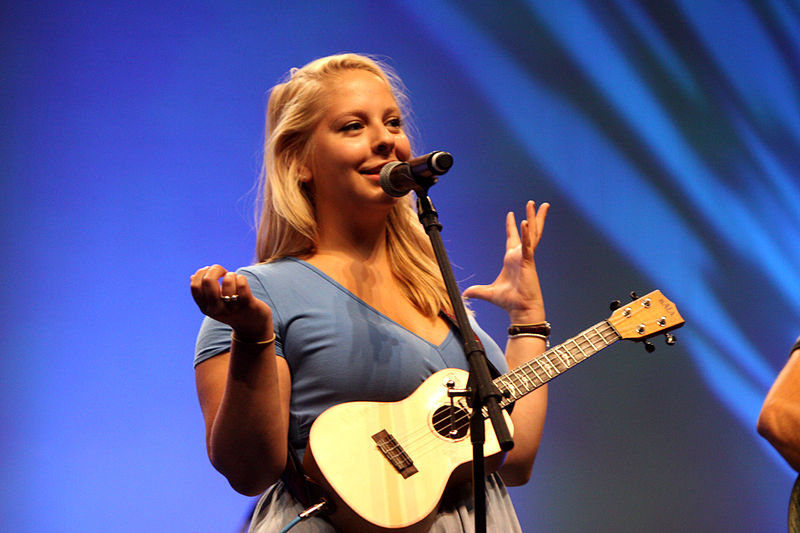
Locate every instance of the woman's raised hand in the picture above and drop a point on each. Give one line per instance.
(226, 297)
(516, 289)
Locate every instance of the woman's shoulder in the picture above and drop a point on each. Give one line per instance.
(284, 274)
(278, 268)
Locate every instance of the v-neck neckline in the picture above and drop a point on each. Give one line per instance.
(352, 295)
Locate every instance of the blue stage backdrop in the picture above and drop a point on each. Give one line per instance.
(665, 134)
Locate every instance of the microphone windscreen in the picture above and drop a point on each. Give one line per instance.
(388, 182)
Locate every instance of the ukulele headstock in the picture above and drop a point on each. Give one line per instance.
(646, 317)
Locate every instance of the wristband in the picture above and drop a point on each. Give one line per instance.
(540, 329)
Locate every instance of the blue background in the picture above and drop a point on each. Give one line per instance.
(666, 135)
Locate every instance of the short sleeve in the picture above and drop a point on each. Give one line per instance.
(213, 339)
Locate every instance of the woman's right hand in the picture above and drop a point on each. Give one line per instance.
(226, 297)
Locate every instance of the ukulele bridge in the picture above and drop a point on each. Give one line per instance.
(394, 453)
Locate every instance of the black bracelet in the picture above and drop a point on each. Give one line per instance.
(540, 329)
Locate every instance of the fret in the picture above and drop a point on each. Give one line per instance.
(569, 355)
(512, 388)
(600, 335)
(612, 336)
(583, 354)
(578, 346)
(566, 365)
(529, 381)
(517, 382)
(529, 364)
(589, 340)
(576, 353)
(546, 357)
(543, 368)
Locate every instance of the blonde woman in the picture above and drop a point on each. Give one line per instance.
(346, 301)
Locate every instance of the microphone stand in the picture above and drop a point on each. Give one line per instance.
(480, 387)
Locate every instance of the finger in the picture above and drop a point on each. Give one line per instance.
(195, 284)
(243, 288)
(481, 292)
(541, 216)
(215, 272)
(228, 285)
(536, 218)
(194, 279)
(528, 230)
(512, 235)
(210, 287)
(527, 240)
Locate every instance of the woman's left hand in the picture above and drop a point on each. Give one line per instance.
(516, 289)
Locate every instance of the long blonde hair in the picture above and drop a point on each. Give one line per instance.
(287, 224)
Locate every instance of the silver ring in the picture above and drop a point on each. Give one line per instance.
(230, 299)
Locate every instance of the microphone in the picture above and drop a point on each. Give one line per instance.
(398, 178)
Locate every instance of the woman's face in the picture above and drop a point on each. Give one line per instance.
(360, 131)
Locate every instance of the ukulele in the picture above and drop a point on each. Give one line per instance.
(386, 465)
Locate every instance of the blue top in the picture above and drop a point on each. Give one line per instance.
(338, 348)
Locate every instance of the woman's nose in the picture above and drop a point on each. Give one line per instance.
(383, 142)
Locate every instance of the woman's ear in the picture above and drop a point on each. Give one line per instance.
(304, 173)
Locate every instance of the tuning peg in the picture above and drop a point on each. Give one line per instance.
(649, 346)
(616, 304)
(634, 296)
(670, 338)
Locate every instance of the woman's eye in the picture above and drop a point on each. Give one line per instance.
(395, 123)
(352, 126)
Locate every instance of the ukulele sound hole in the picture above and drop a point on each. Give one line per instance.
(451, 422)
